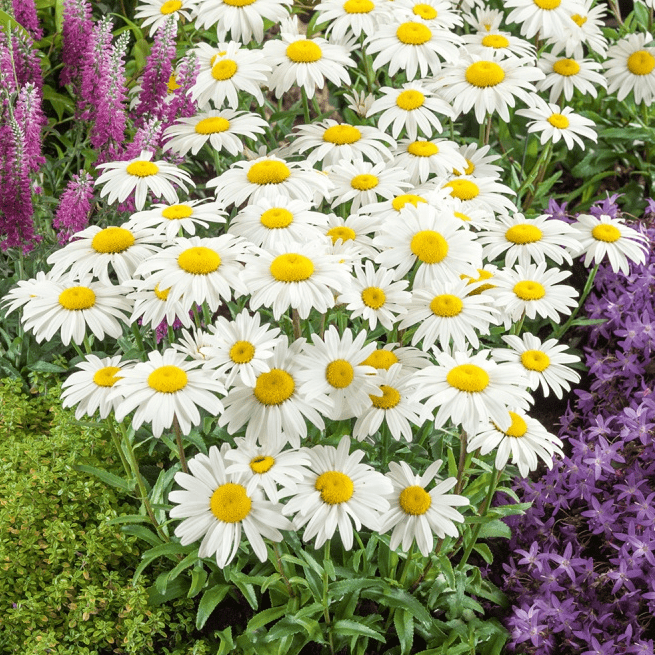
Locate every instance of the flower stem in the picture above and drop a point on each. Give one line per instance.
(462, 463)
(180, 445)
(297, 329)
(326, 604)
(280, 569)
(561, 330)
(117, 442)
(305, 105)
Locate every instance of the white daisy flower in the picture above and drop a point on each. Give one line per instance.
(216, 507)
(425, 158)
(241, 348)
(416, 513)
(526, 440)
(360, 103)
(564, 75)
(192, 344)
(605, 236)
(330, 142)
(221, 129)
(479, 162)
(267, 176)
(439, 13)
(411, 359)
(275, 405)
(445, 311)
(152, 305)
(199, 270)
(471, 389)
(584, 28)
(393, 404)
(170, 219)
(70, 305)
(482, 276)
(630, 66)
(95, 250)
(338, 489)
(488, 44)
(353, 232)
(484, 19)
(164, 389)
(546, 17)
(387, 209)
(121, 178)
(266, 466)
(543, 363)
(553, 123)
(354, 17)
(157, 12)
(24, 290)
(90, 387)
(533, 291)
(412, 107)
(526, 240)
(479, 193)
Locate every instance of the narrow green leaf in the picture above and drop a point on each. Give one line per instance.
(176, 589)
(265, 617)
(404, 622)
(349, 628)
(47, 367)
(169, 550)
(343, 587)
(106, 477)
(495, 528)
(187, 562)
(142, 532)
(10, 22)
(210, 599)
(484, 550)
(198, 580)
(242, 581)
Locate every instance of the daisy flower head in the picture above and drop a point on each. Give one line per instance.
(484, 19)
(352, 17)
(491, 43)
(601, 236)
(217, 508)
(170, 219)
(90, 386)
(140, 175)
(487, 85)
(240, 348)
(339, 489)
(330, 142)
(361, 182)
(471, 389)
(374, 296)
(415, 47)
(274, 409)
(165, 388)
(410, 359)
(386, 209)
(152, 305)
(438, 243)
(198, 270)
(69, 305)
(278, 221)
(583, 28)
(479, 162)
(412, 107)
(360, 102)
(267, 176)
(630, 66)
(546, 17)
(526, 441)
(333, 366)
(477, 193)
(157, 12)
(566, 74)
(352, 234)
(534, 291)
(393, 404)
(425, 158)
(231, 69)
(300, 276)
(99, 251)
(192, 344)
(415, 513)
(526, 240)
(544, 363)
(439, 13)
(445, 312)
(221, 129)
(554, 123)
(24, 290)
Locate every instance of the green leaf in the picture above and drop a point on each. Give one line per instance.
(208, 602)
(227, 642)
(484, 550)
(47, 367)
(106, 477)
(10, 22)
(495, 645)
(140, 52)
(198, 580)
(142, 532)
(128, 518)
(400, 599)
(509, 510)
(243, 582)
(349, 628)
(58, 101)
(343, 587)
(495, 528)
(187, 562)
(169, 550)
(265, 617)
(404, 622)
(158, 596)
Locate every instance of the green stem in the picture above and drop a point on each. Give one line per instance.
(405, 571)
(326, 604)
(87, 345)
(117, 443)
(559, 332)
(297, 328)
(427, 567)
(280, 569)
(462, 463)
(138, 338)
(180, 445)
(305, 105)
(487, 131)
(536, 175)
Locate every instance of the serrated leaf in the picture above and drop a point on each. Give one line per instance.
(198, 580)
(129, 518)
(106, 477)
(210, 599)
(265, 617)
(169, 550)
(343, 587)
(495, 528)
(244, 584)
(484, 550)
(400, 599)
(404, 622)
(47, 367)
(349, 628)
(174, 590)
(142, 532)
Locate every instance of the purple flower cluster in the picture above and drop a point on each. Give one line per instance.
(582, 572)
(77, 25)
(25, 14)
(74, 207)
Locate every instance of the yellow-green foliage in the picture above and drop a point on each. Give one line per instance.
(65, 572)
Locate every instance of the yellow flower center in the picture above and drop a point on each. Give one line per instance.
(529, 290)
(373, 297)
(388, 400)
(358, 6)
(400, 201)
(304, 52)
(268, 172)
(176, 212)
(242, 352)
(274, 387)
(381, 358)
(410, 99)
(547, 5)
(276, 218)
(446, 305)
(468, 377)
(212, 125)
(262, 464)
(106, 377)
(579, 20)
(483, 275)
(495, 41)
(559, 121)
(292, 267)
(170, 7)
(230, 503)
(142, 169)
(162, 295)
(518, 428)
(224, 69)
(484, 73)
(422, 149)
(641, 62)
(535, 360)
(429, 246)
(414, 500)
(342, 134)
(172, 84)
(335, 487)
(523, 234)
(463, 189)
(566, 67)
(199, 260)
(413, 33)
(77, 298)
(239, 3)
(339, 373)
(605, 232)
(426, 12)
(364, 182)
(167, 379)
(112, 240)
(462, 217)
(470, 168)
(341, 232)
